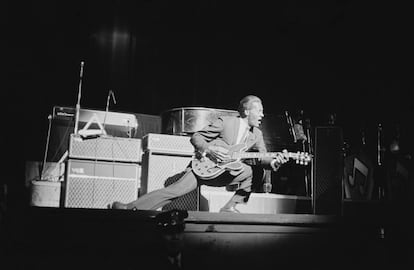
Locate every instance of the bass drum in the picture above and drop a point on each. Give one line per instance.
(187, 120)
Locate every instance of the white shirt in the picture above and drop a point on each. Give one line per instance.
(243, 129)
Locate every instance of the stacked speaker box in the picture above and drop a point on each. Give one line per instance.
(164, 160)
(102, 170)
(120, 125)
(327, 170)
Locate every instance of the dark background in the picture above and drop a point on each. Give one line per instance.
(350, 58)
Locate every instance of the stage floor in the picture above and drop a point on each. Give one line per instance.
(213, 198)
(68, 238)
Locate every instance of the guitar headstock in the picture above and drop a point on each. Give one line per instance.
(302, 158)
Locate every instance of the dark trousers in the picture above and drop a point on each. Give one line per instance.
(189, 181)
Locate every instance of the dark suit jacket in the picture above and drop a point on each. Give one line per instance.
(225, 130)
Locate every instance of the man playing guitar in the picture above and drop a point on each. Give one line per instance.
(220, 148)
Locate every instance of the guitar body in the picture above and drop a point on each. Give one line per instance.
(207, 169)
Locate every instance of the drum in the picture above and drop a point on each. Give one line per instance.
(187, 120)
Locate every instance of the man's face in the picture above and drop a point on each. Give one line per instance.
(255, 114)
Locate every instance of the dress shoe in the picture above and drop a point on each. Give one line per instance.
(119, 205)
(229, 210)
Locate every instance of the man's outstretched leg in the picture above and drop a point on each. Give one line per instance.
(158, 198)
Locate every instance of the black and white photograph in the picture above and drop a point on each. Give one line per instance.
(160, 134)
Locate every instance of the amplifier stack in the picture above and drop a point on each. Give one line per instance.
(101, 170)
(164, 159)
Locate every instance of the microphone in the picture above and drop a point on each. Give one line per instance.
(81, 69)
(112, 95)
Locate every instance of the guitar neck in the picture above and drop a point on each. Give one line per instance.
(262, 155)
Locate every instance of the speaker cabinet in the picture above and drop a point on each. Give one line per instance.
(327, 170)
(96, 184)
(105, 148)
(168, 144)
(160, 170)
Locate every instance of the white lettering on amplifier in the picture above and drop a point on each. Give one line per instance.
(64, 114)
(78, 170)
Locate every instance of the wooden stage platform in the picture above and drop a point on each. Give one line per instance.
(56, 238)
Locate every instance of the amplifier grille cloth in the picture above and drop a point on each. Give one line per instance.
(98, 192)
(106, 148)
(162, 170)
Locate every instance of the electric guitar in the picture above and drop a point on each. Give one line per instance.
(208, 168)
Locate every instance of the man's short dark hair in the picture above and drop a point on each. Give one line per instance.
(246, 104)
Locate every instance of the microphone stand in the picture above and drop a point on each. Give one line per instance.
(309, 171)
(66, 154)
(291, 128)
(380, 159)
(107, 107)
(379, 135)
(307, 147)
(46, 147)
(110, 93)
(79, 98)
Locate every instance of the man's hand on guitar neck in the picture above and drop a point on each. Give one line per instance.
(217, 153)
(280, 159)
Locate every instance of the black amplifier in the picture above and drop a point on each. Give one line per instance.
(124, 124)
